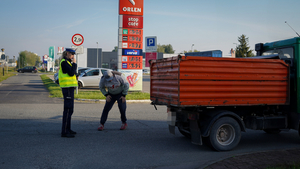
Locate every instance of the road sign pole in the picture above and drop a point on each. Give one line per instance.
(77, 40)
(77, 72)
(53, 61)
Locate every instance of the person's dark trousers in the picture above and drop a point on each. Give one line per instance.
(68, 94)
(109, 105)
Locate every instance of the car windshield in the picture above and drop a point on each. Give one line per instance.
(81, 71)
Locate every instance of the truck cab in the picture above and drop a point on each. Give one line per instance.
(289, 51)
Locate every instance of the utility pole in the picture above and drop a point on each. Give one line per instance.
(97, 54)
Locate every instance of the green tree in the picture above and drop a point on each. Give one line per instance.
(243, 49)
(22, 61)
(165, 49)
(115, 49)
(27, 58)
(160, 49)
(57, 61)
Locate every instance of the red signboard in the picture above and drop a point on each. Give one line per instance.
(127, 31)
(127, 38)
(132, 59)
(131, 7)
(132, 45)
(130, 21)
(150, 56)
(132, 62)
(131, 33)
(134, 65)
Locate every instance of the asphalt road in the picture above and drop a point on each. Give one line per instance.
(30, 124)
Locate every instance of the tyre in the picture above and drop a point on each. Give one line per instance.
(272, 131)
(225, 134)
(79, 85)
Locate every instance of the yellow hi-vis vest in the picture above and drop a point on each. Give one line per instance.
(64, 79)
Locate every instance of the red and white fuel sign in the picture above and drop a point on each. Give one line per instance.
(77, 39)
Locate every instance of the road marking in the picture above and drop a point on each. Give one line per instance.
(9, 92)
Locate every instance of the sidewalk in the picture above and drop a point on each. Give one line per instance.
(260, 160)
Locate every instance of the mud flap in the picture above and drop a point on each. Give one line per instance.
(171, 121)
(195, 132)
(172, 129)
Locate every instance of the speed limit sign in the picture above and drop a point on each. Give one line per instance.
(77, 39)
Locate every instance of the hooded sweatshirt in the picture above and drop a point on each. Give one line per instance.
(116, 86)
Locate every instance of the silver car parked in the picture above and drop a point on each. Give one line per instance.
(91, 77)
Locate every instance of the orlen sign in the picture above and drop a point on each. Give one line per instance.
(131, 7)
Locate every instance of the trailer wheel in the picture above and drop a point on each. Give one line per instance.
(225, 134)
(272, 131)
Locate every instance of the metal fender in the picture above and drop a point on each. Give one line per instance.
(217, 115)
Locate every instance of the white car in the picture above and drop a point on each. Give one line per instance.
(91, 77)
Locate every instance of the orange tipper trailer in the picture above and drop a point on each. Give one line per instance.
(213, 81)
(215, 99)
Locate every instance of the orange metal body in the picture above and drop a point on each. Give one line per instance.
(212, 81)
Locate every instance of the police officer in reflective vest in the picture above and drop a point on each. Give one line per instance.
(68, 82)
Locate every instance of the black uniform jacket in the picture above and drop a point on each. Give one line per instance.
(66, 68)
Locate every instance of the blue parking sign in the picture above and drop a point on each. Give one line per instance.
(151, 42)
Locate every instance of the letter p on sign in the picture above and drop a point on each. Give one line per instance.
(151, 42)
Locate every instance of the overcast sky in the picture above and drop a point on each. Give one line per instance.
(35, 25)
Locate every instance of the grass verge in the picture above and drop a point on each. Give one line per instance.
(55, 91)
(8, 72)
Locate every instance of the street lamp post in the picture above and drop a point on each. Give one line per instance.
(97, 54)
(192, 47)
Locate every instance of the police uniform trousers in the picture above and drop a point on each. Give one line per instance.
(68, 94)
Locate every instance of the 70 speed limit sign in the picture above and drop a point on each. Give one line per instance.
(77, 39)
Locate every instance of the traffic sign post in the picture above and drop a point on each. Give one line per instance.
(151, 44)
(77, 40)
